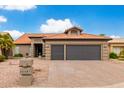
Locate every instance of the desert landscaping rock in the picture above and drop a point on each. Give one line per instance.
(66, 73)
(9, 74)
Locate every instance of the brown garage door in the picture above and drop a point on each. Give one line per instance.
(83, 52)
(57, 52)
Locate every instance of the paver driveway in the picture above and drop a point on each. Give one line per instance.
(86, 74)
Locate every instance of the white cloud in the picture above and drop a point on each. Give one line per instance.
(18, 7)
(3, 19)
(14, 33)
(115, 36)
(55, 26)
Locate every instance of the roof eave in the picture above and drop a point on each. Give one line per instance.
(77, 38)
(20, 43)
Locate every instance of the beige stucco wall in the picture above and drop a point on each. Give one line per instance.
(104, 47)
(105, 51)
(116, 45)
(23, 49)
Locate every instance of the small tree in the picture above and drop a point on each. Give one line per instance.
(102, 34)
(6, 43)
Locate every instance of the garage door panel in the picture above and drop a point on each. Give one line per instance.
(83, 52)
(57, 52)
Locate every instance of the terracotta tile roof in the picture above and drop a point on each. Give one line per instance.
(117, 40)
(39, 35)
(81, 36)
(25, 39)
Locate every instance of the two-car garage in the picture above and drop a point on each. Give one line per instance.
(76, 52)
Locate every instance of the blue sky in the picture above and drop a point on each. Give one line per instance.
(108, 20)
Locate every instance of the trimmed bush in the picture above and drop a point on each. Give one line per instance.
(113, 55)
(2, 58)
(18, 55)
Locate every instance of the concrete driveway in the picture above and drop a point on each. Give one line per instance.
(86, 74)
(65, 73)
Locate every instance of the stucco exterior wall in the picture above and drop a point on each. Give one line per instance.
(23, 49)
(104, 47)
(105, 51)
(120, 46)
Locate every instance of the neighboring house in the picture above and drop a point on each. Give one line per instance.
(116, 45)
(73, 44)
(10, 53)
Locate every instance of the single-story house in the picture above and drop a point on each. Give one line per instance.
(73, 44)
(10, 51)
(116, 45)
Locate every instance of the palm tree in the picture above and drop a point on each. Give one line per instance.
(6, 44)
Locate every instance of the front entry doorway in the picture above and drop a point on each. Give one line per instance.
(38, 49)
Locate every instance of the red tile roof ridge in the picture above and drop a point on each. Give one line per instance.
(55, 35)
(97, 35)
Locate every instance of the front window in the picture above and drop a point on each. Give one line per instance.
(117, 50)
(16, 50)
(73, 32)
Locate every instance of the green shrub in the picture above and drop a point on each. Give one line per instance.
(18, 55)
(113, 55)
(2, 58)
